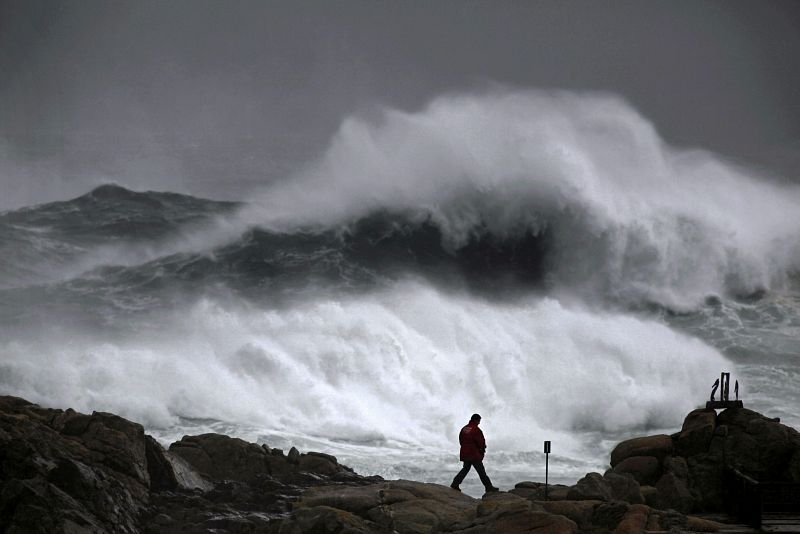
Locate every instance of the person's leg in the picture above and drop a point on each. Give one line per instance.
(487, 484)
(461, 474)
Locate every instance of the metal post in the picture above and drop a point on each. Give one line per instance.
(546, 466)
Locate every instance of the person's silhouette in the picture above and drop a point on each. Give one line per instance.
(473, 448)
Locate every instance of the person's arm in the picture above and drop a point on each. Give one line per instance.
(480, 441)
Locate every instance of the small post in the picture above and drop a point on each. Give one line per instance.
(546, 466)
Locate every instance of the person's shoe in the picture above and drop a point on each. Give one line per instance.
(492, 489)
(452, 486)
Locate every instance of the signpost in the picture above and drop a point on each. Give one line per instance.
(546, 466)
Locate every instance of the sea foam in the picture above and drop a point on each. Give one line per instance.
(401, 367)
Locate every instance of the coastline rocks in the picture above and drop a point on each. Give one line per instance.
(696, 433)
(658, 446)
(608, 487)
(646, 470)
(688, 469)
(66, 472)
(221, 457)
(62, 471)
(535, 491)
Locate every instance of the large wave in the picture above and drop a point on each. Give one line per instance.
(631, 218)
(401, 366)
(457, 259)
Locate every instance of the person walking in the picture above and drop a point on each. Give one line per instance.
(473, 448)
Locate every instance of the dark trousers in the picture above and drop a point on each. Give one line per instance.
(478, 464)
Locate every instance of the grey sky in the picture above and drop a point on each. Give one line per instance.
(212, 97)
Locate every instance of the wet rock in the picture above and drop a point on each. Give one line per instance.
(318, 463)
(94, 479)
(221, 457)
(63, 471)
(118, 443)
(186, 477)
(159, 469)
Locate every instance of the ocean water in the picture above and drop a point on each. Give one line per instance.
(542, 258)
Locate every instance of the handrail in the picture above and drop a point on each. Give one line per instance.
(747, 478)
(743, 497)
(750, 498)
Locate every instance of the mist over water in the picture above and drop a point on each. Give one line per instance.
(542, 258)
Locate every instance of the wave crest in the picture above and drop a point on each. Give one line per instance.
(632, 217)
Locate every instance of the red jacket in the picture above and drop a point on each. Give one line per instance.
(473, 444)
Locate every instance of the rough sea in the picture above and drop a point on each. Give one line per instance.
(542, 258)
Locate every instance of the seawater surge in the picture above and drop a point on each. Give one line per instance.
(543, 258)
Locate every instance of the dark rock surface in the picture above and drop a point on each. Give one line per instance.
(66, 472)
(61, 471)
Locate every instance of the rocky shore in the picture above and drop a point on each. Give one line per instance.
(63, 471)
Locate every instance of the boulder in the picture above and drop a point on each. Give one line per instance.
(531, 522)
(644, 469)
(707, 481)
(319, 463)
(650, 494)
(696, 433)
(221, 457)
(535, 491)
(580, 512)
(794, 466)
(409, 506)
(698, 524)
(658, 446)
(92, 480)
(186, 477)
(634, 521)
(678, 466)
(591, 487)
(357, 500)
(699, 418)
(673, 494)
(325, 519)
(501, 503)
(117, 443)
(294, 456)
(159, 468)
(609, 514)
(738, 417)
(624, 488)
